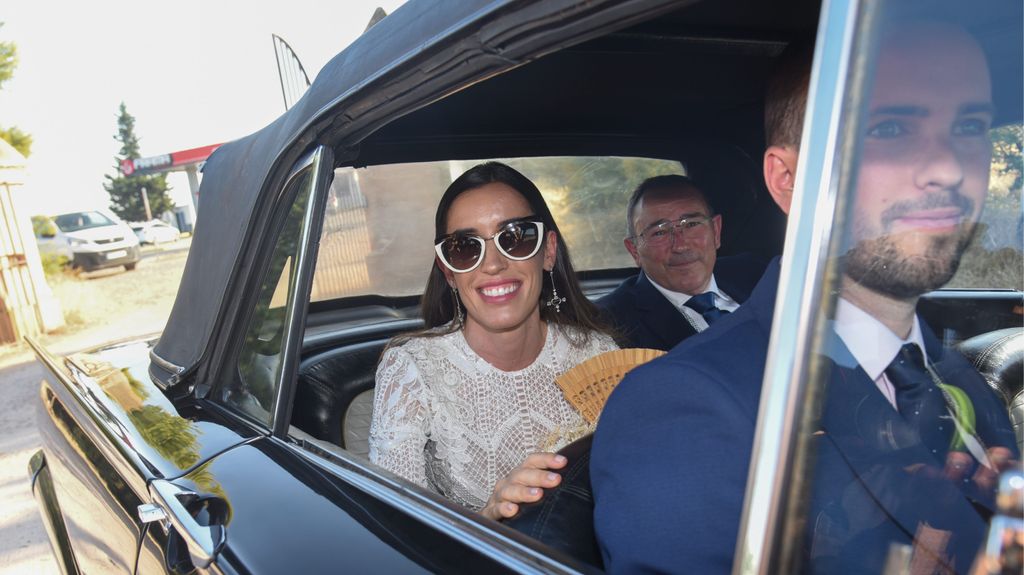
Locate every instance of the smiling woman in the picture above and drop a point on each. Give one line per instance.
(463, 406)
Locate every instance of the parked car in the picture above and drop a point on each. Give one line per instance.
(155, 232)
(91, 240)
(235, 442)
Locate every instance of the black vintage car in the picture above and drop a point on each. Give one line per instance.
(237, 441)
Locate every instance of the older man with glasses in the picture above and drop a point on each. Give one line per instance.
(674, 236)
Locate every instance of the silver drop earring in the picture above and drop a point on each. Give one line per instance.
(555, 301)
(455, 302)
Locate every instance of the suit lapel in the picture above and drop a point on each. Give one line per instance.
(877, 444)
(659, 315)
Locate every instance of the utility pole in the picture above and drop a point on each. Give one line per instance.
(145, 204)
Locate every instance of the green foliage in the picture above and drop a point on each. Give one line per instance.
(126, 191)
(8, 60)
(172, 437)
(17, 139)
(1007, 160)
(53, 264)
(43, 226)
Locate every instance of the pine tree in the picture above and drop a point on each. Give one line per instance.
(126, 191)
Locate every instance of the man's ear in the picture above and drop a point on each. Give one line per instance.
(716, 222)
(631, 248)
(780, 174)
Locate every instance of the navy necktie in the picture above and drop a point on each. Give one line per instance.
(704, 304)
(920, 401)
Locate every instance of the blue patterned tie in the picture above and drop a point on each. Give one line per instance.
(919, 400)
(704, 304)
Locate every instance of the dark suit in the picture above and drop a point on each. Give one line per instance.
(644, 318)
(672, 450)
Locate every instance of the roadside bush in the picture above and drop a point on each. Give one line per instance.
(53, 264)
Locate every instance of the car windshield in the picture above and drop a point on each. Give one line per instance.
(378, 231)
(81, 221)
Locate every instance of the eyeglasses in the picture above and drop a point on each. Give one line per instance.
(519, 240)
(663, 234)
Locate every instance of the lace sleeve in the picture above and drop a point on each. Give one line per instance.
(398, 430)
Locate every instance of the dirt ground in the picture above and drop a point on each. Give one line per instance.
(110, 304)
(98, 307)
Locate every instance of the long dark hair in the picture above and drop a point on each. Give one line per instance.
(438, 304)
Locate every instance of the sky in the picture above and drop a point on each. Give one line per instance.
(192, 72)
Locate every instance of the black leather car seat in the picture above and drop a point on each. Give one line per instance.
(334, 395)
(999, 357)
(564, 518)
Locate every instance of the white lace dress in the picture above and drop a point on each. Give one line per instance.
(446, 419)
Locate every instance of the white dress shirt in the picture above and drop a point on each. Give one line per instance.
(873, 345)
(677, 299)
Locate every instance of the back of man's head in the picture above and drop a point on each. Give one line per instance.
(786, 95)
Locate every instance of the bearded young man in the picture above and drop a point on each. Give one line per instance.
(896, 464)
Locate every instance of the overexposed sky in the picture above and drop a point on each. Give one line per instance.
(191, 72)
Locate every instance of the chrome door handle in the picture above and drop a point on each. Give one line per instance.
(150, 512)
(203, 541)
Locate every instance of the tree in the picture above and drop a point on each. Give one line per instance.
(8, 62)
(126, 191)
(17, 139)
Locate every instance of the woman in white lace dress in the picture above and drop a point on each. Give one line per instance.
(468, 407)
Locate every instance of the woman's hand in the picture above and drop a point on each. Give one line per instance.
(524, 484)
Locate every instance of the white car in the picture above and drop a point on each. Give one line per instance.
(155, 232)
(93, 240)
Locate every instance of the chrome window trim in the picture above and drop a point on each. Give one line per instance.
(365, 477)
(298, 298)
(764, 527)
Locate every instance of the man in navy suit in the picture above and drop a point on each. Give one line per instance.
(674, 235)
(910, 440)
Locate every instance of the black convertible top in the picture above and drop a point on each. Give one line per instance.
(659, 78)
(236, 173)
(425, 47)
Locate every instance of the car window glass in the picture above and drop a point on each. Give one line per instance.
(378, 230)
(993, 259)
(259, 363)
(904, 433)
(81, 221)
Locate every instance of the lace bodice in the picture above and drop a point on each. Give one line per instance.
(446, 419)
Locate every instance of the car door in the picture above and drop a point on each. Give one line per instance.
(817, 404)
(269, 504)
(109, 433)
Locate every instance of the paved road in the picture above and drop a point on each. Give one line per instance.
(24, 546)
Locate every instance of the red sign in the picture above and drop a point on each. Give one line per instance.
(167, 162)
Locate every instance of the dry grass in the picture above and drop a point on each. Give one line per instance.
(111, 304)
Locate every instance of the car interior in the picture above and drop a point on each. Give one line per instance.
(686, 88)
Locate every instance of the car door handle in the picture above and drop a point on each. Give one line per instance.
(203, 541)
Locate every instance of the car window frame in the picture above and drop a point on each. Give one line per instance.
(769, 540)
(318, 159)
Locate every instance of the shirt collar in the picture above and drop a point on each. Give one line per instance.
(678, 299)
(872, 344)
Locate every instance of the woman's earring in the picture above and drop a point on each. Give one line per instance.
(455, 302)
(555, 301)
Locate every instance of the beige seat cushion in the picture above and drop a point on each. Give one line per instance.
(356, 424)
